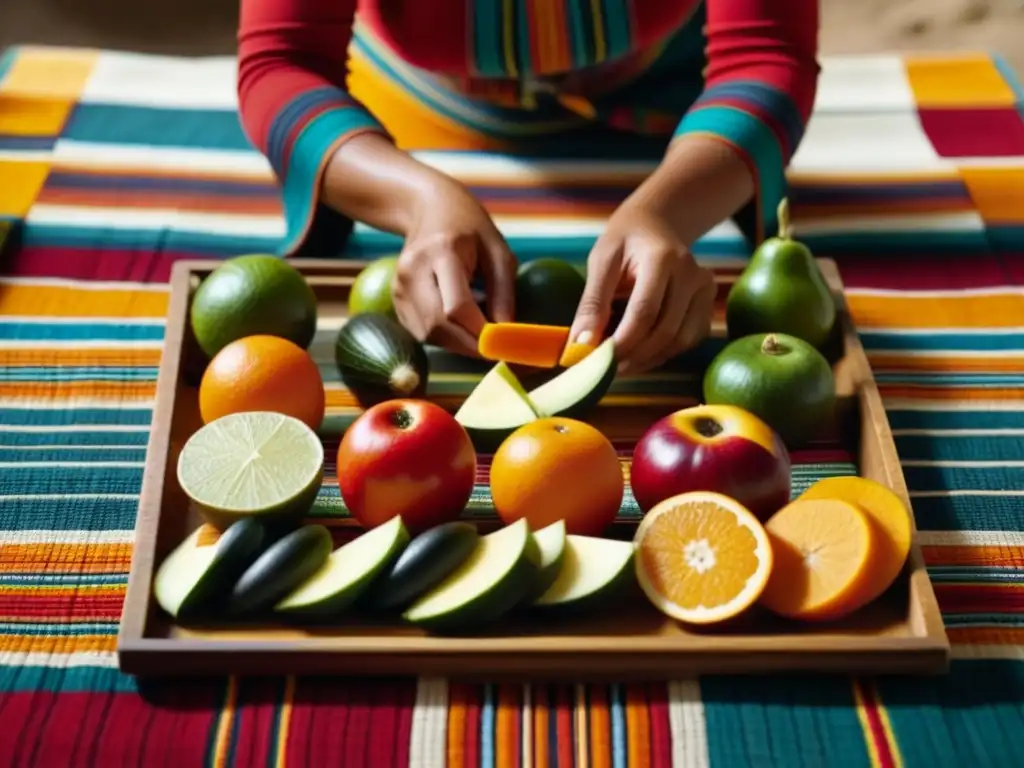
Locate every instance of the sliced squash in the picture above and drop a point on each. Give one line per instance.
(496, 408)
(539, 346)
(551, 547)
(578, 388)
(593, 572)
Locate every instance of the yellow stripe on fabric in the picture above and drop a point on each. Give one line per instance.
(69, 390)
(600, 728)
(580, 728)
(600, 44)
(997, 193)
(882, 748)
(506, 735)
(638, 727)
(508, 35)
(58, 644)
(969, 81)
(219, 753)
(284, 721)
(458, 698)
(21, 356)
(947, 310)
(20, 184)
(57, 73)
(33, 115)
(30, 299)
(981, 363)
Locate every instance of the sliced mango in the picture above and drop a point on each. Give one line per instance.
(539, 346)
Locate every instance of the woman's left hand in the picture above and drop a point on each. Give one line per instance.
(671, 298)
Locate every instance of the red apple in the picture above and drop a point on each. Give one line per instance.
(408, 458)
(718, 448)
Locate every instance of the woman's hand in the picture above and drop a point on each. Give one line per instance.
(670, 297)
(449, 238)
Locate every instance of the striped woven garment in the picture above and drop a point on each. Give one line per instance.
(113, 166)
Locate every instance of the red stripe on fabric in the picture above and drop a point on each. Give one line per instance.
(405, 704)
(304, 119)
(77, 606)
(356, 744)
(472, 746)
(146, 264)
(926, 272)
(563, 717)
(970, 598)
(255, 716)
(876, 730)
(385, 732)
(319, 723)
(661, 730)
(995, 132)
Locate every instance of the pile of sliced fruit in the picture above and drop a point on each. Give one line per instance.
(720, 532)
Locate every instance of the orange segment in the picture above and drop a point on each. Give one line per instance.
(539, 346)
(892, 522)
(575, 352)
(702, 557)
(824, 551)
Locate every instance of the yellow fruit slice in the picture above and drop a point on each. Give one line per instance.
(824, 551)
(893, 527)
(702, 557)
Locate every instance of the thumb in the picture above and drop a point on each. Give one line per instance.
(595, 307)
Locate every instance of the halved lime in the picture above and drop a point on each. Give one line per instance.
(253, 464)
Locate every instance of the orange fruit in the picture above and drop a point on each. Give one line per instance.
(262, 373)
(557, 469)
(702, 557)
(892, 521)
(824, 551)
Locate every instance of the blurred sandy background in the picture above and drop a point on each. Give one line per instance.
(208, 26)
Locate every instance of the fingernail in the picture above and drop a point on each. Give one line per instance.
(585, 337)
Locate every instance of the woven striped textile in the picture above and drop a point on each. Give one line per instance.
(113, 166)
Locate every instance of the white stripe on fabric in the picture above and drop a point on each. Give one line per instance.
(882, 142)
(88, 285)
(428, 738)
(688, 725)
(32, 537)
(864, 84)
(182, 221)
(971, 538)
(173, 82)
(58, 659)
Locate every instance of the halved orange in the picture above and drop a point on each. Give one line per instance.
(893, 526)
(702, 557)
(824, 550)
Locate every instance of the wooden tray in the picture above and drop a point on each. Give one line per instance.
(902, 632)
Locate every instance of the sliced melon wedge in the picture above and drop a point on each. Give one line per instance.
(551, 547)
(496, 577)
(203, 568)
(496, 408)
(349, 570)
(578, 388)
(593, 570)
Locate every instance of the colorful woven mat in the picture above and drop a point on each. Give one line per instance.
(112, 166)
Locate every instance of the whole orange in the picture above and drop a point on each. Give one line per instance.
(262, 373)
(557, 469)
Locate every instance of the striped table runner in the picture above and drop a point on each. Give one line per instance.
(112, 166)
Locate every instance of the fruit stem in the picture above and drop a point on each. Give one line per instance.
(404, 379)
(785, 225)
(402, 418)
(771, 345)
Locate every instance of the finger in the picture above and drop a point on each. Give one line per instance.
(664, 335)
(426, 296)
(604, 267)
(643, 308)
(457, 304)
(498, 266)
(696, 325)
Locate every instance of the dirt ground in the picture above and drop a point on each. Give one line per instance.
(208, 26)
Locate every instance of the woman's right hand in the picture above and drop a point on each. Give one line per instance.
(450, 237)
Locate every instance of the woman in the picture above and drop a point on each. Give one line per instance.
(729, 83)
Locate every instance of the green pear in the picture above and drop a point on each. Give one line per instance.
(781, 291)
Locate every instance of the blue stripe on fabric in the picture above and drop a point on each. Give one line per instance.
(17, 679)
(15, 481)
(132, 182)
(13, 143)
(752, 137)
(36, 580)
(982, 512)
(151, 126)
(488, 46)
(885, 341)
(617, 715)
(618, 33)
(981, 380)
(939, 478)
(955, 419)
(524, 58)
(295, 112)
(960, 448)
(487, 720)
(47, 626)
(7, 57)
(80, 331)
(581, 29)
(78, 373)
(166, 239)
(770, 100)
(808, 193)
(1009, 76)
(73, 513)
(937, 243)
(68, 416)
(992, 574)
(308, 152)
(99, 456)
(10, 438)
(800, 721)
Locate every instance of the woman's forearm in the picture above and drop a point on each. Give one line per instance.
(701, 182)
(370, 180)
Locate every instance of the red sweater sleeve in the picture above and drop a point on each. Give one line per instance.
(292, 65)
(760, 83)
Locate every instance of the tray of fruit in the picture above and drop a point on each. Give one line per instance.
(323, 494)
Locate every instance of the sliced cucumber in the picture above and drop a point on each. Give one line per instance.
(349, 570)
(496, 408)
(551, 546)
(197, 574)
(579, 388)
(593, 571)
(496, 577)
(281, 568)
(429, 558)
